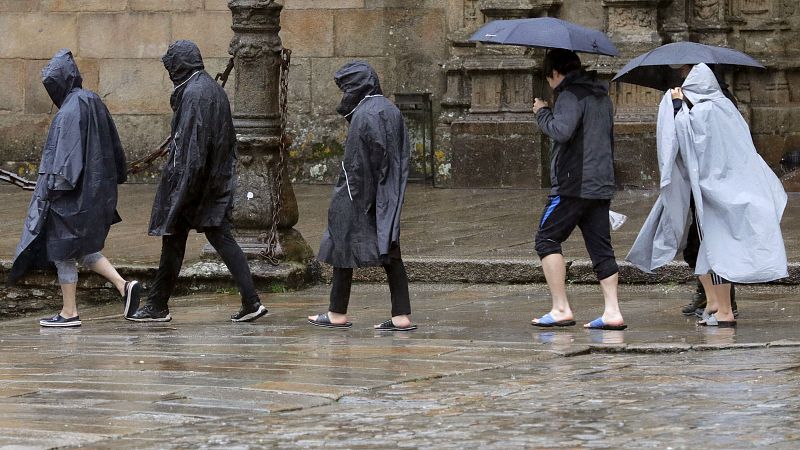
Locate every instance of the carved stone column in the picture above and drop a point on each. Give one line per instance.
(632, 21)
(256, 48)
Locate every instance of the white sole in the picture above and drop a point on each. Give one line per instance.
(253, 315)
(60, 325)
(163, 319)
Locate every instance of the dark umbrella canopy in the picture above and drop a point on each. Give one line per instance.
(545, 32)
(651, 69)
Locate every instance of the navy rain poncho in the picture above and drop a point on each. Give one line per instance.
(364, 214)
(75, 199)
(197, 181)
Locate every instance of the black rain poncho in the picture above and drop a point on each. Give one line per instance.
(364, 215)
(197, 182)
(75, 199)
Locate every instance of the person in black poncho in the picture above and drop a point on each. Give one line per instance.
(197, 184)
(364, 215)
(75, 199)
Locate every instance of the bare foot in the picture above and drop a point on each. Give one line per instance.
(610, 319)
(558, 316)
(401, 321)
(335, 318)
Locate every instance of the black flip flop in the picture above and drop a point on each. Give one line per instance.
(390, 326)
(324, 321)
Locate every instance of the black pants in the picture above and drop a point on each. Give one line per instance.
(173, 248)
(560, 217)
(398, 286)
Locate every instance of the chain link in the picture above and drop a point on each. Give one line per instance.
(17, 180)
(272, 253)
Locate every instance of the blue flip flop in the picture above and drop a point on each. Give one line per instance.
(598, 324)
(547, 321)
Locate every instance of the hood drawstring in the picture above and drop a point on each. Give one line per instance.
(359, 104)
(187, 80)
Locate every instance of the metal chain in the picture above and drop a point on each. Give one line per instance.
(16, 180)
(272, 253)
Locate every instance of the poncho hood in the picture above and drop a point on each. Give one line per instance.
(182, 60)
(701, 85)
(356, 80)
(61, 76)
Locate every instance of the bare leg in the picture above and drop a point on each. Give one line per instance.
(555, 271)
(711, 293)
(723, 294)
(611, 313)
(104, 268)
(70, 308)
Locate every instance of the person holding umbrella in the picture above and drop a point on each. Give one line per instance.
(706, 154)
(582, 177)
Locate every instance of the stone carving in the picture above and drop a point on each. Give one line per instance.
(706, 9)
(631, 18)
(755, 7)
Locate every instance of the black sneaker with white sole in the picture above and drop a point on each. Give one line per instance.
(151, 313)
(133, 291)
(249, 313)
(58, 321)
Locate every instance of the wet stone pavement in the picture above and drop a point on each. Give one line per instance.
(475, 374)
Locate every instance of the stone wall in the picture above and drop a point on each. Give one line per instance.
(416, 46)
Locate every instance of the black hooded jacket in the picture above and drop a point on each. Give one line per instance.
(581, 125)
(75, 199)
(364, 215)
(197, 181)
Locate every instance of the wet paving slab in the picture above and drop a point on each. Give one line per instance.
(475, 374)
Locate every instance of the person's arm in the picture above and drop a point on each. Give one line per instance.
(560, 122)
(68, 160)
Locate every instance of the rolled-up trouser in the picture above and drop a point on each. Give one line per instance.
(560, 217)
(68, 269)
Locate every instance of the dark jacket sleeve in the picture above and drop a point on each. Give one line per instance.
(190, 150)
(561, 122)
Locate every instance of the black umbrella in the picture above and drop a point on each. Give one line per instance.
(651, 69)
(545, 32)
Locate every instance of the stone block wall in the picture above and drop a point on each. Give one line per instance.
(118, 45)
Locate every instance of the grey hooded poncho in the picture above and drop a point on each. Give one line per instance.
(75, 199)
(706, 151)
(364, 214)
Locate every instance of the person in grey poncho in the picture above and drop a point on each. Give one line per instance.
(705, 152)
(364, 214)
(75, 199)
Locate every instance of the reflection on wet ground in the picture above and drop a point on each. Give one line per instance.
(475, 374)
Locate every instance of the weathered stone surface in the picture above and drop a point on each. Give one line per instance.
(82, 5)
(791, 181)
(323, 4)
(140, 134)
(635, 155)
(165, 5)
(12, 99)
(135, 86)
(307, 32)
(496, 154)
(217, 5)
(22, 137)
(18, 5)
(147, 35)
(37, 101)
(37, 35)
(351, 23)
(195, 27)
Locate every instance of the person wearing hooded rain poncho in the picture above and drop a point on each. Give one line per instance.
(364, 214)
(705, 152)
(75, 199)
(197, 185)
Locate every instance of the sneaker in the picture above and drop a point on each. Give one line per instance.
(249, 313)
(58, 321)
(133, 291)
(697, 305)
(151, 313)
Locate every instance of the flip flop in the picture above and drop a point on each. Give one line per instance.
(322, 320)
(547, 321)
(598, 324)
(390, 326)
(711, 321)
